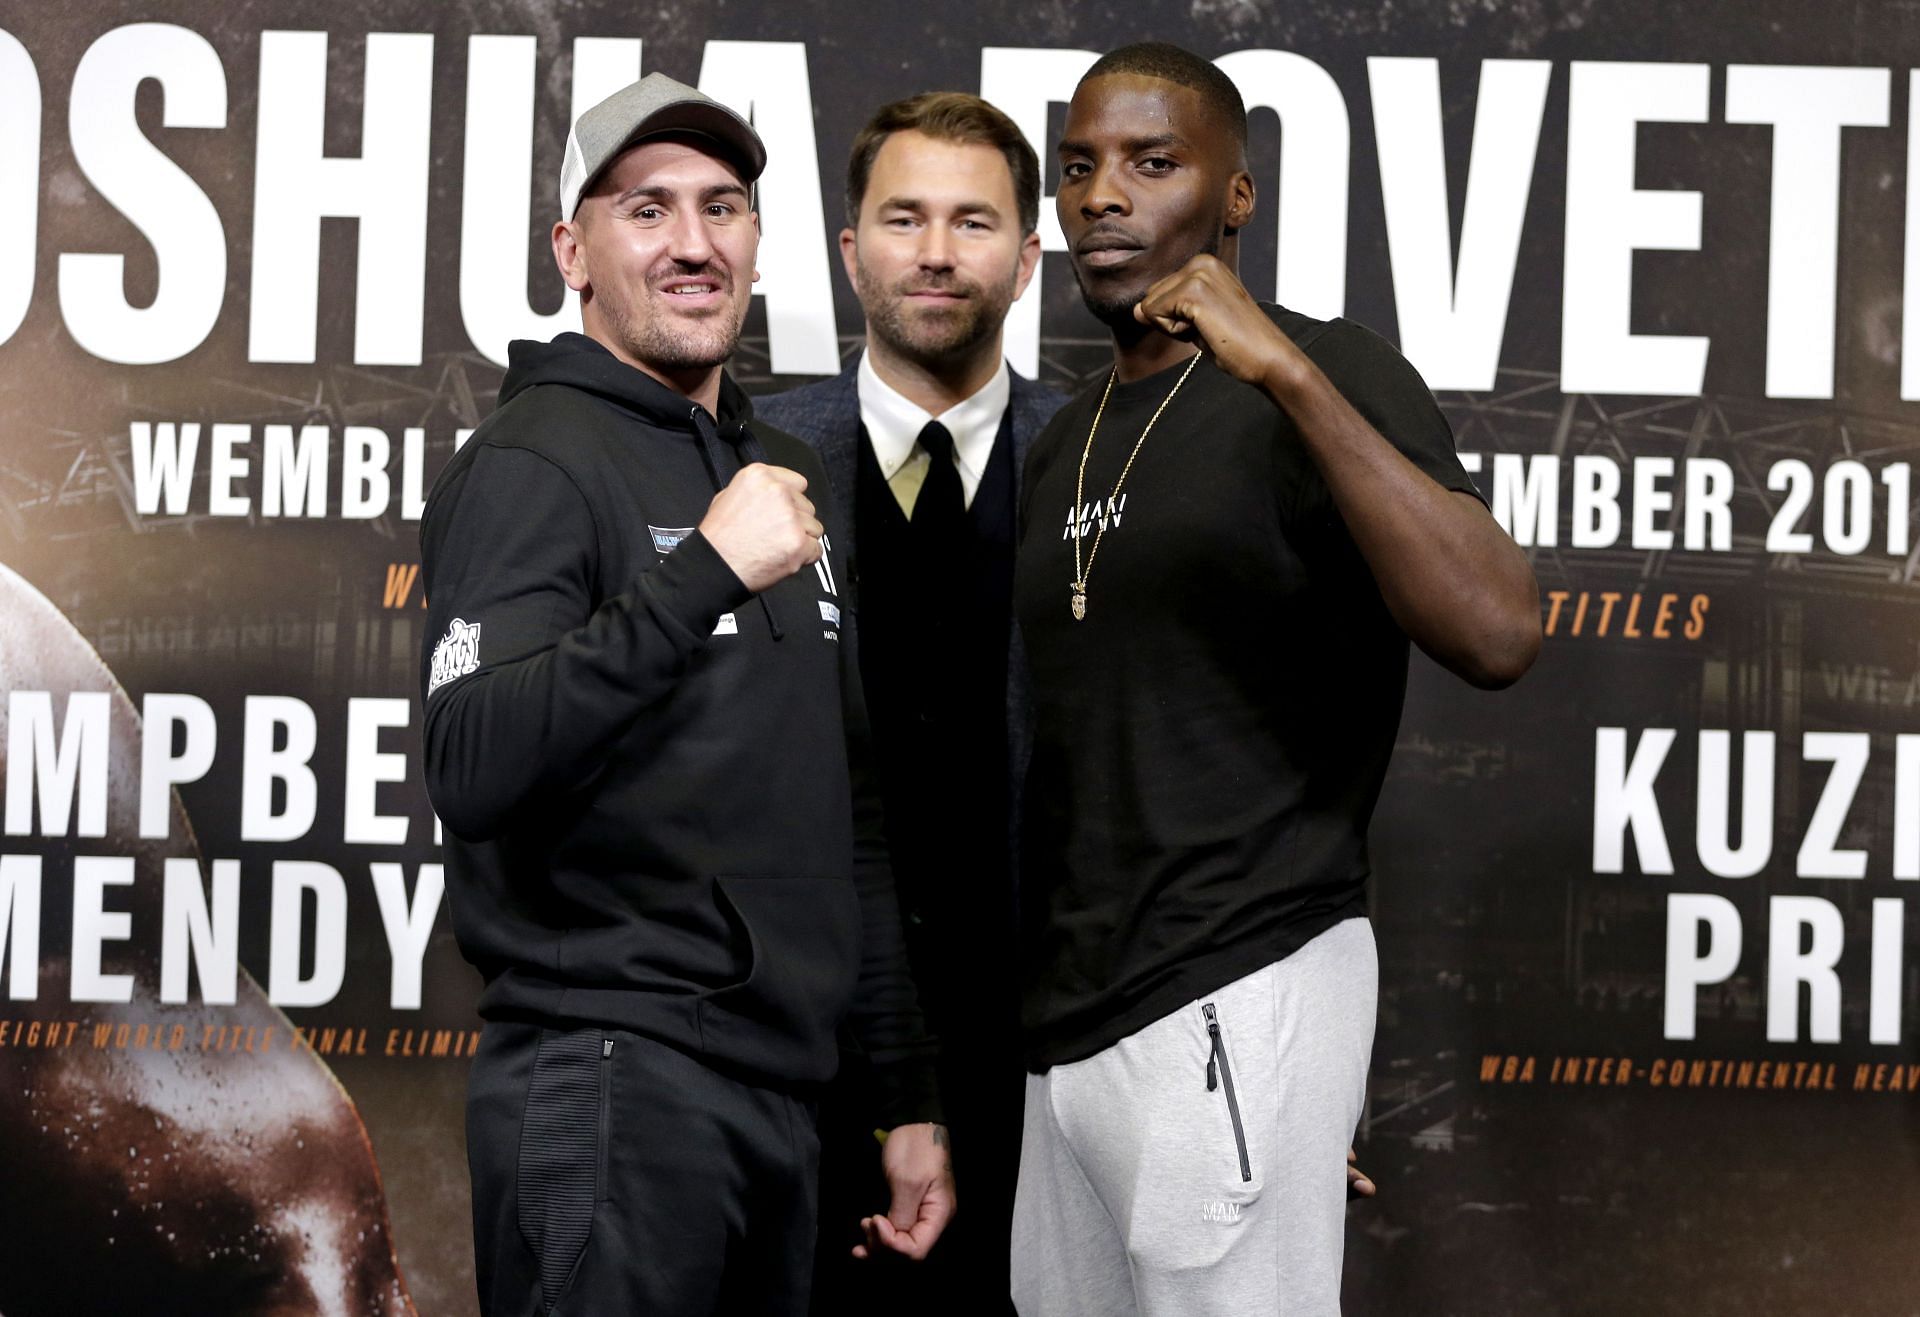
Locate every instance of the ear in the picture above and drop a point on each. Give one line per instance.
(569, 255)
(850, 255)
(756, 246)
(1029, 262)
(1239, 201)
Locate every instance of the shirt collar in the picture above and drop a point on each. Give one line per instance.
(894, 422)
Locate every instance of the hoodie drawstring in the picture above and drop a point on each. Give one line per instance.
(745, 442)
(704, 435)
(746, 448)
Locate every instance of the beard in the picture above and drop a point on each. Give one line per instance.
(678, 345)
(1113, 304)
(932, 334)
(656, 334)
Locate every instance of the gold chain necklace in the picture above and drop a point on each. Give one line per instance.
(1080, 574)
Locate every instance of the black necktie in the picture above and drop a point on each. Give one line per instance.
(940, 509)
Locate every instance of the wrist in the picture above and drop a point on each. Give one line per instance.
(908, 1125)
(1287, 379)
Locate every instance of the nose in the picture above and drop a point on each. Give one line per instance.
(936, 247)
(689, 241)
(1103, 194)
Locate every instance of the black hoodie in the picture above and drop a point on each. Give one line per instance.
(654, 784)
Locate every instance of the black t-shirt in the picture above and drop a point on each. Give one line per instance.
(1212, 737)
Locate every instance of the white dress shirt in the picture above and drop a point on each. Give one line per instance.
(894, 423)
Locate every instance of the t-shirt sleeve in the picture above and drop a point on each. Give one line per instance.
(1384, 387)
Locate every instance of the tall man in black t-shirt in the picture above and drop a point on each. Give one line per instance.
(1225, 548)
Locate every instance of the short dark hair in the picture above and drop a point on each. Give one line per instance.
(1170, 63)
(947, 116)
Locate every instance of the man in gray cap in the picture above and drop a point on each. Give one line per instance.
(645, 735)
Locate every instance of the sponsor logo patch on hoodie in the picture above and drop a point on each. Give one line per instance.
(457, 654)
(667, 538)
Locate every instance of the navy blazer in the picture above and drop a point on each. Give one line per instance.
(826, 416)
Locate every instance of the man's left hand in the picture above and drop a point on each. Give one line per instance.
(920, 1174)
(1204, 302)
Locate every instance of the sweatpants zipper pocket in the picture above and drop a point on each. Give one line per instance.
(1218, 1056)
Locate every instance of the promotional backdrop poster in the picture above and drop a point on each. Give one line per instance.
(1648, 961)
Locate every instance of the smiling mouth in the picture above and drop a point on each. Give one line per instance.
(690, 288)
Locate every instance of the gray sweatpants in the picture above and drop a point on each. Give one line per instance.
(1199, 1166)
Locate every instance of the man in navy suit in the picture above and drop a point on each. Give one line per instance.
(925, 435)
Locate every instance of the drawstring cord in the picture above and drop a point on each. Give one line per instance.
(700, 432)
(745, 441)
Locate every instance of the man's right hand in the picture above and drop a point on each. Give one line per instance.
(762, 525)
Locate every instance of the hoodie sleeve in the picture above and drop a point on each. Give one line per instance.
(528, 682)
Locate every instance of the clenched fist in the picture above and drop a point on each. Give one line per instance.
(762, 525)
(1204, 302)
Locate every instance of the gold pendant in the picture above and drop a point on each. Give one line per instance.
(1079, 602)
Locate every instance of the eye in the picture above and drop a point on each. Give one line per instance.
(1157, 164)
(718, 210)
(974, 226)
(648, 213)
(1075, 169)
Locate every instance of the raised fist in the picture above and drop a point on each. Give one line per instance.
(762, 525)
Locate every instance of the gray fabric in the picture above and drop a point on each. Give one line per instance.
(826, 417)
(1132, 1201)
(653, 105)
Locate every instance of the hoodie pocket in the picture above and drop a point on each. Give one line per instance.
(802, 947)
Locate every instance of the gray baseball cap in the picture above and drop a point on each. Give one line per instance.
(654, 105)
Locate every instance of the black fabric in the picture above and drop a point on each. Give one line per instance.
(826, 416)
(940, 508)
(934, 623)
(1210, 741)
(967, 1273)
(702, 1197)
(560, 1145)
(657, 799)
(934, 630)
(980, 1072)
